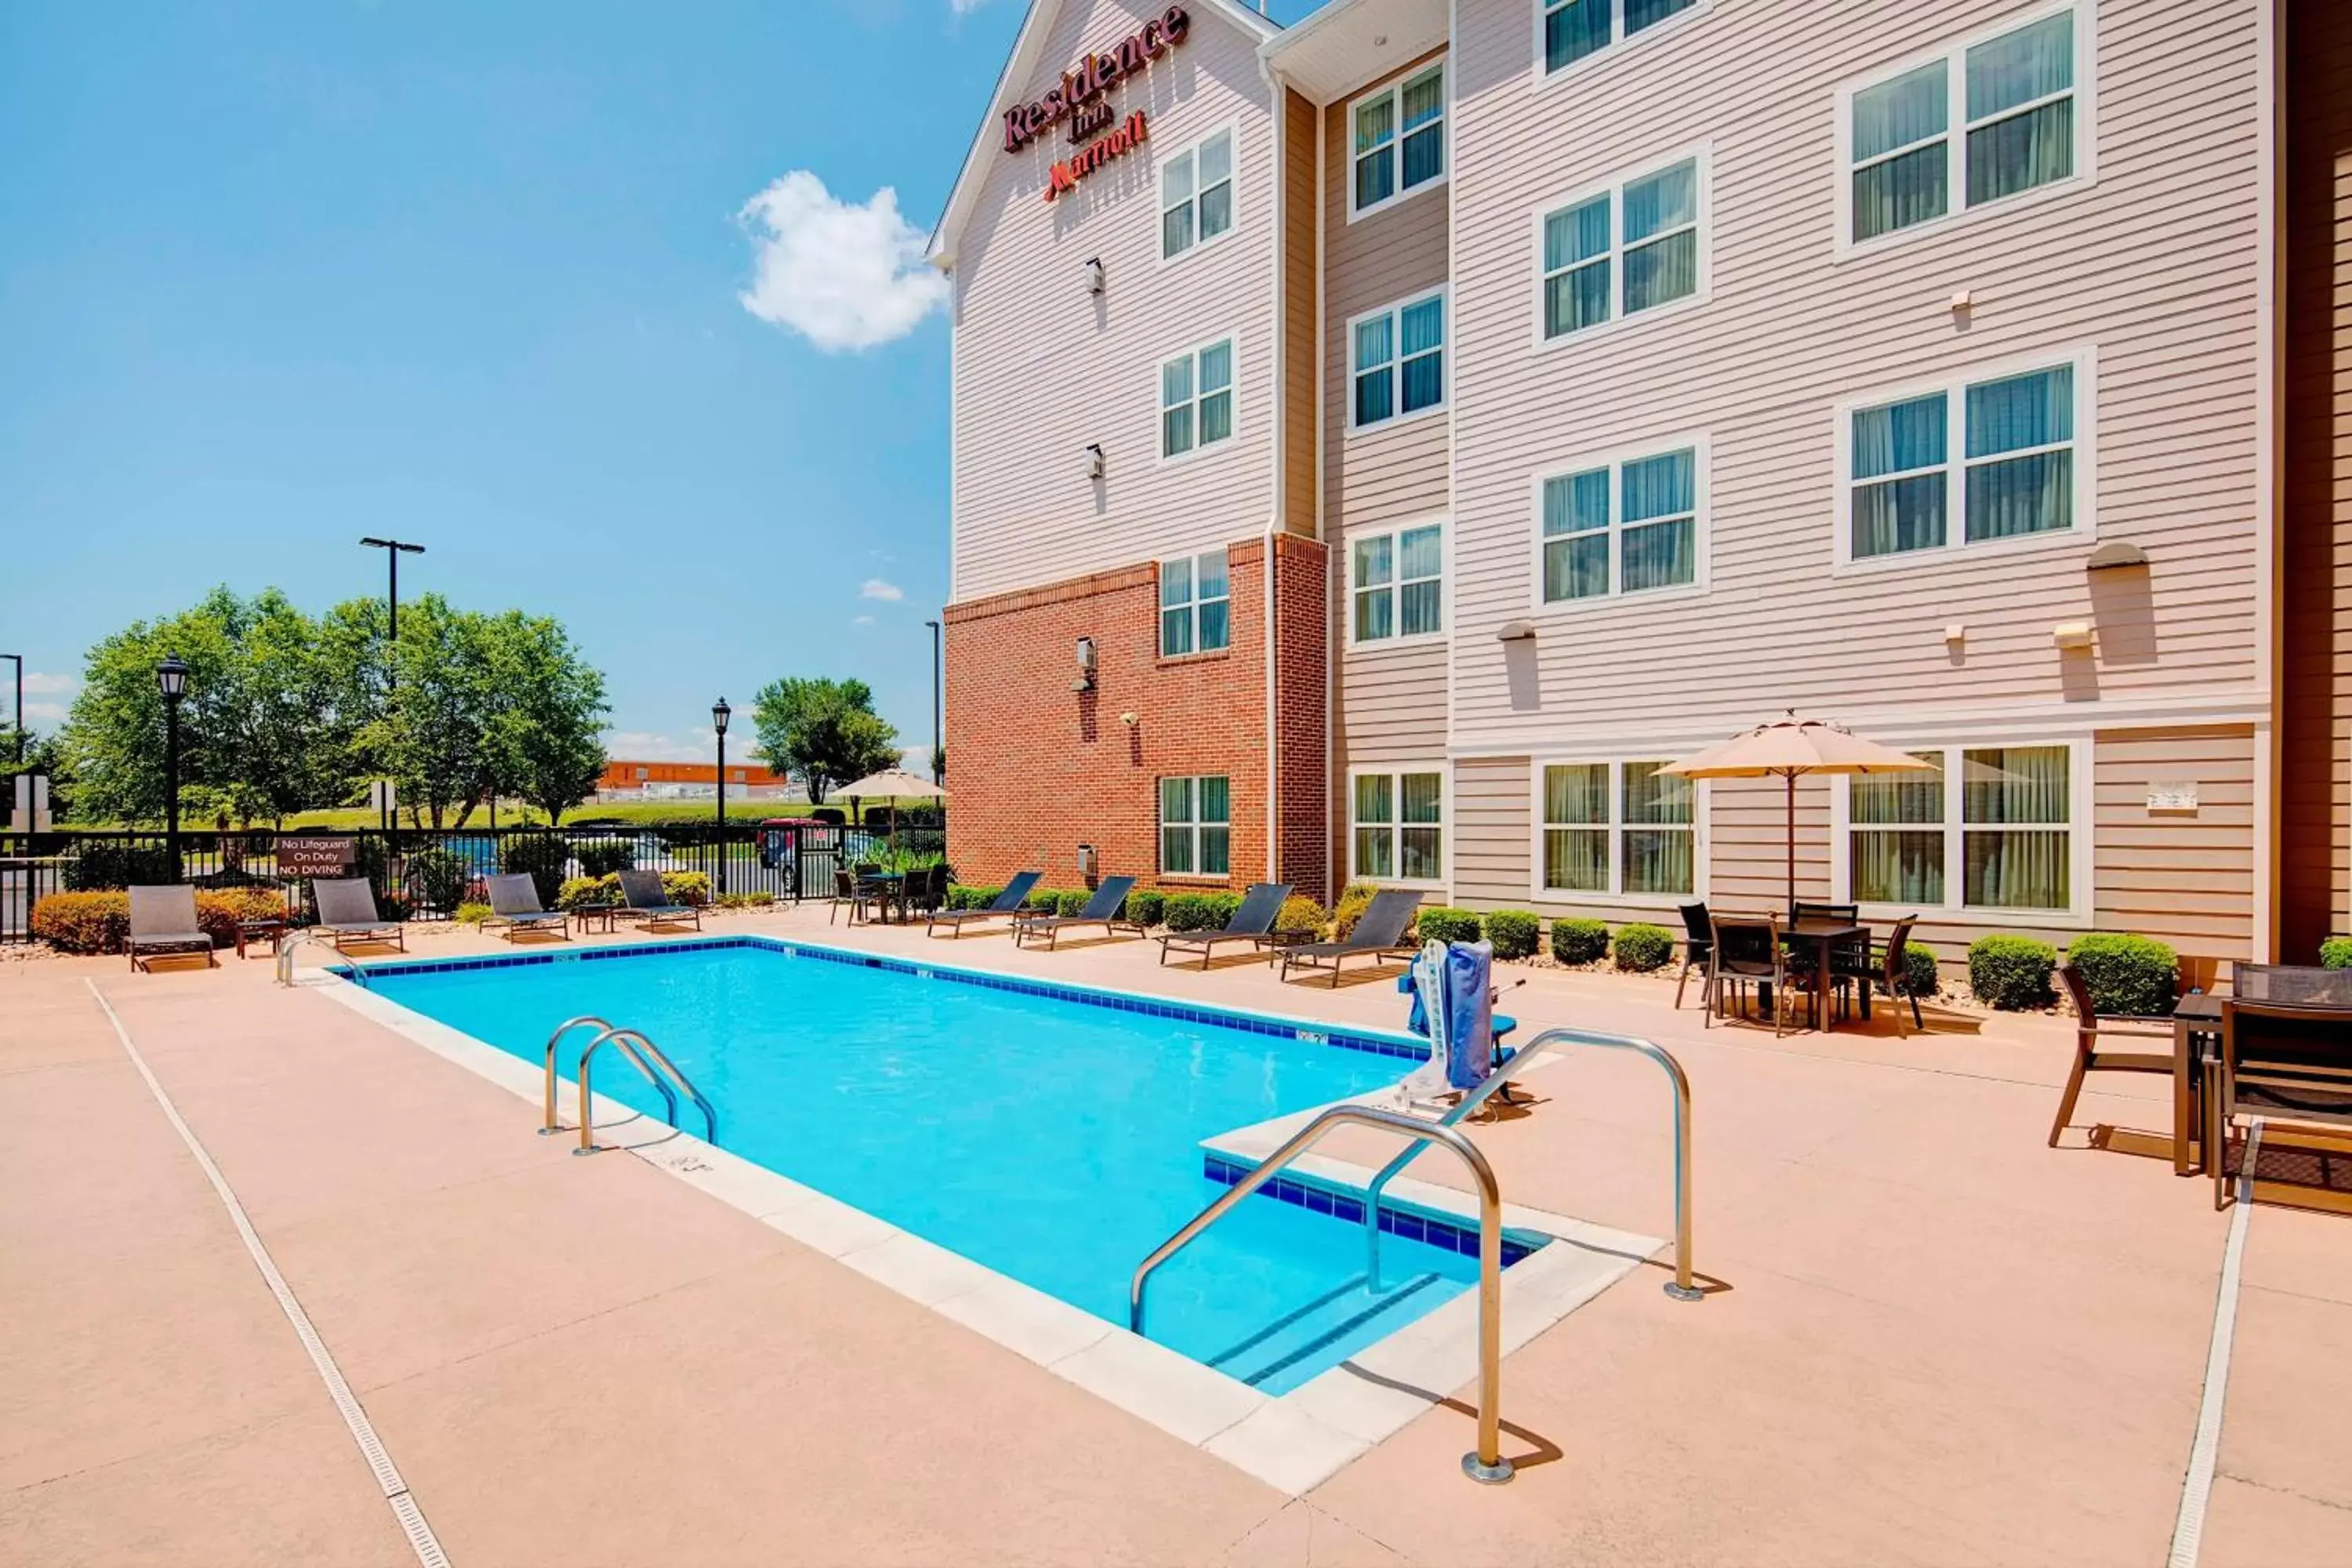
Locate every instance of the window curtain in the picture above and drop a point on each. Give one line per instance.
(2022, 151)
(1658, 859)
(1424, 130)
(1375, 152)
(1216, 185)
(2017, 867)
(1576, 828)
(1576, 536)
(1665, 269)
(1175, 825)
(2031, 494)
(1576, 268)
(1641, 14)
(1216, 393)
(1214, 594)
(1894, 861)
(1175, 610)
(1216, 836)
(1176, 407)
(1574, 30)
(1900, 514)
(1420, 331)
(1176, 220)
(1375, 348)
(1375, 607)
(1375, 805)
(1421, 797)
(1421, 565)
(1915, 186)
(1663, 553)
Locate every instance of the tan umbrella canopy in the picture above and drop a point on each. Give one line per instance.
(1784, 749)
(893, 783)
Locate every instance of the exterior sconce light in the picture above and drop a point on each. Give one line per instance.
(1086, 680)
(1094, 460)
(2071, 634)
(1094, 275)
(1963, 301)
(1516, 631)
(1956, 632)
(1127, 720)
(2114, 554)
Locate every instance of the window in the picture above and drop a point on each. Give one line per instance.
(641, 772)
(1399, 826)
(1399, 360)
(1619, 829)
(1196, 399)
(1967, 463)
(1987, 120)
(1574, 30)
(1621, 527)
(1399, 583)
(1196, 195)
(1195, 826)
(1398, 141)
(1620, 251)
(2014, 808)
(1194, 605)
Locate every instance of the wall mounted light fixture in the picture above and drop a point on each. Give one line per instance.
(1094, 460)
(1086, 680)
(1094, 275)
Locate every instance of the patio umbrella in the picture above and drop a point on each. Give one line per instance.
(893, 783)
(1786, 748)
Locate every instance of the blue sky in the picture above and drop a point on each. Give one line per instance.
(599, 301)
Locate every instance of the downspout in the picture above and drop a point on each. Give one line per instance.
(1279, 97)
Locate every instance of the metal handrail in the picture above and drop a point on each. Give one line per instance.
(627, 1041)
(550, 1124)
(287, 949)
(1680, 1287)
(1486, 1463)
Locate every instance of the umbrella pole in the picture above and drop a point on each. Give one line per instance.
(1791, 780)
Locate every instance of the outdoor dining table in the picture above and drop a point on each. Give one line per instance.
(891, 889)
(2197, 1017)
(1824, 937)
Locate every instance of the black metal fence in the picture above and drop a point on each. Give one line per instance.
(425, 873)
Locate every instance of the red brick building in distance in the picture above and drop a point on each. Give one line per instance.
(623, 776)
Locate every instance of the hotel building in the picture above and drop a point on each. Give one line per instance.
(1379, 444)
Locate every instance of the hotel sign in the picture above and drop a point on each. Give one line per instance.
(1083, 100)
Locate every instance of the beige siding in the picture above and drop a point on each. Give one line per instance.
(1302, 298)
(1493, 814)
(2185, 877)
(1043, 368)
(1747, 835)
(2152, 266)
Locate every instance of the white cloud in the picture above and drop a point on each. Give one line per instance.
(965, 7)
(45, 713)
(651, 746)
(843, 275)
(861, 620)
(875, 588)
(45, 684)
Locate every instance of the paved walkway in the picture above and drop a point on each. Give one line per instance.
(1938, 1343)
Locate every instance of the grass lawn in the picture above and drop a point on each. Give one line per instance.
(513, 814)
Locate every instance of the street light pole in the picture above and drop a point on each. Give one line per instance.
(394, 549)
(17, 714)
(720, 714)
(172, 680)
(935, 747)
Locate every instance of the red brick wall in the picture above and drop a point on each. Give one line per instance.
(1035, 768)
(1302, 732)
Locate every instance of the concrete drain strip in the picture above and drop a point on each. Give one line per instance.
(2205, 1451)
(395, 1490)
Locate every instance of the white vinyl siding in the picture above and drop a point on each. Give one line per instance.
(1617, 251)
(1196, 605)
(1569, 32)
(1195, 826)
(1397, 141)
(1618, 525)
(1397, 362)
(1396, 583)
(1397, 826)
(1196, 399)
(1196, 195)
(1996, 832)
(1619, 830)
(1995, 115)
(1997, 455)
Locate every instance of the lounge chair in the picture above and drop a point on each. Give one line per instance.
(1378, 934)
(1252, 921)
(642, 897)
(515, 908)
(1008, 904)
(1102, 910)
(347, 913)
(162, 922)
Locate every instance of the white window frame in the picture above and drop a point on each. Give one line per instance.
(1395, 311)
(1231, 341)
(1231, 129)
(1955, 55)
(1396, 582)
(1615, 460)
(1615, 188)
(1620, 41)
(1161, 826)
(1396, 772)
(1193, 607)
(2080, 826)
(1393, 90)
(1702, 797)
(1954, 385)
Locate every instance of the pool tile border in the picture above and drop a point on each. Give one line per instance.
(1412, 1225)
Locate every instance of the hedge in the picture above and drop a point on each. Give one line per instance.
(1919, 973)
(1354, 900)
(100, 921)
(2336, 952)
(1513, 932)
(92, 867)
(597, 892)
(1642, 947)
(1442, 922)
(1302, 918)
(439, 877)
(1146, 906)
(1201, 911)
(1577, 939)
(2011, 973)
(543, 857)
(1049, 900)
(744, 900)
(961, 897)
(2124, 974)
(472, 914)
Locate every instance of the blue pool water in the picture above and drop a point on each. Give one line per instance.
(1053, 1140)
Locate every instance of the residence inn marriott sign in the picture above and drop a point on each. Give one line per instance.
(1081, 99)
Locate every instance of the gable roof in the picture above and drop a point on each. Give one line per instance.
(1028, 50)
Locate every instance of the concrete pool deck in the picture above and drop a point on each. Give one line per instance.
(1936, 1340)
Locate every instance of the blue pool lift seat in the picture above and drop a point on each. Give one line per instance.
(1454, 996)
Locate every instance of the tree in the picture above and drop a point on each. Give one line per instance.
(546, 729)
(114, 736)
(823, 733)
(43, 754)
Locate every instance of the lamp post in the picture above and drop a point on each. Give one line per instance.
(936, 748)
(720, 714)
(17, 714)
(394, 549)
(172, 680)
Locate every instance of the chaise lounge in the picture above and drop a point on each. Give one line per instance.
(1253, 922)
(1379, 934)
(1102, 910)
(515, 908)
(164, 922)
(347, 913)
(1007, 903)
(642, 897)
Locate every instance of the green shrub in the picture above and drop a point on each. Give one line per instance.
(1071, 902)
(439, 878)
(1048, 900)
(744, 900)
(1579, 939)
(1515, 932)
(831, 814)
(961, 897)
(1919, 976)
(575, 893)
(1201, 911)
(542, 857)
(2126, 974)
(1147, 906)
(1301, 918)
(598, 855)
(2011, 973)
(1643, 947)
(1442, 922)
(96, 866)
(99, 922)
(1354, 900)
(472, 914)
(2336, 952)
(683, 887)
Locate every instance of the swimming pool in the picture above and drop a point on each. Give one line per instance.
(1048, 1132)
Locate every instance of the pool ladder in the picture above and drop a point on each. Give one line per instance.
(639, 1052)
